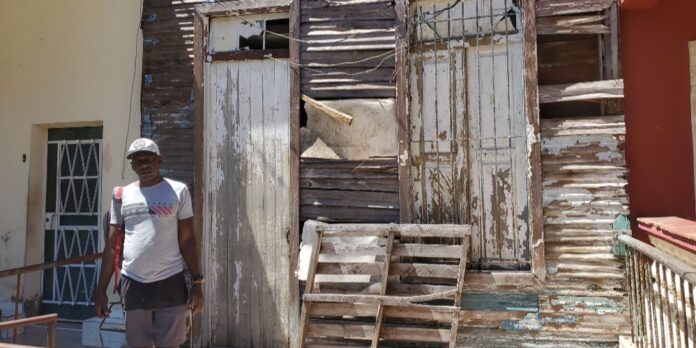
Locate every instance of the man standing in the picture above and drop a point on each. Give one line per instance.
(156, 216)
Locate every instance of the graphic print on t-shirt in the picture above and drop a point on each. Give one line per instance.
(142, 209)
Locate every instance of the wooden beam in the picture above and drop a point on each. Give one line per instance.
(531, 84)
(606, 89)
(546, 8)
(200, 35)
(293, 231)
(383, 291)
(335, 114)
(249, 55)
(402, 113)
(244, 7)
(579, 24)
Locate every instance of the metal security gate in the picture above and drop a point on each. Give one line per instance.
(72, 219)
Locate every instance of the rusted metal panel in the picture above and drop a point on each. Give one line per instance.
(247, 202)
(348, 49)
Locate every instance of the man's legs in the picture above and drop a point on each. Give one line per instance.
(139, 329)
(169, 326)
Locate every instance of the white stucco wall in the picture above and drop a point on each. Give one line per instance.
(68, 62)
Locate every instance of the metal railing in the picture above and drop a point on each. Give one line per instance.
(50, 319)
(18, 272)
(661, 295)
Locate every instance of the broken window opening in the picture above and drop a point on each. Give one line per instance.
(270, 34)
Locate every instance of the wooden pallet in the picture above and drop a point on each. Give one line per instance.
(354, 298)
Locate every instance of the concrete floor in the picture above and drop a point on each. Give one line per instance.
(68, 335)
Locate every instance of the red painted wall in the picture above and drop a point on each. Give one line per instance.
(655, 60)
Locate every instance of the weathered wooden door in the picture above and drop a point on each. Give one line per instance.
(247, 199)
(468, 128)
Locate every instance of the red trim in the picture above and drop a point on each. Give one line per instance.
(638, 4)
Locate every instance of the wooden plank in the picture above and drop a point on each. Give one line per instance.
(309, 288)
(350, 268)
(547, 8)
(335, 114)
(428, 250)
(293, 237)
(200, 325)
(353, 249)
(237, 8)
(581, 91)
(413, 334)
(424, 270)
(529, 13)
(458, 296)
(314, 4)
(383, 291)
(249, 55)
(578, 24)
(402, 111)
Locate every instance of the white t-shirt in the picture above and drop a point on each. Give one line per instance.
(151, 215)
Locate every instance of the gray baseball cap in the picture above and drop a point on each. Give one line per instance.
(142, 145)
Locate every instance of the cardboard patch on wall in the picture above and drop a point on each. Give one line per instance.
(373, 131)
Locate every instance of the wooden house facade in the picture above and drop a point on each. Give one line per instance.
(498, 114)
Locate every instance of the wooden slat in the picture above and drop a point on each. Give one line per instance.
(350, 268)
(425, 270)
(428, 250)
(383, 290)
(579, 24)
(531, 83)
(547, 8)
(581, 91)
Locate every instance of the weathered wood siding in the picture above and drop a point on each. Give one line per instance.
(584, 173)
(167, 96)
(348, 49)
(468, 128)
(349, 191)
(247, 201)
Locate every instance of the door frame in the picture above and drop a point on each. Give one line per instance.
(201, 31)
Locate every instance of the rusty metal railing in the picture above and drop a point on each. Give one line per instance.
(50, 319)
(18, 272)
(661, 295)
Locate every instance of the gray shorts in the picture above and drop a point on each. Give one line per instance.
(162, 327)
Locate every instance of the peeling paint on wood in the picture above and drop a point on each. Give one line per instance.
(247, 153)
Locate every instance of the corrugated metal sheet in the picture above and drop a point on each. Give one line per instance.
(348, 49)
(349, 191)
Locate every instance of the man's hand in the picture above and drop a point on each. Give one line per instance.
(101, 304)
(196, 300)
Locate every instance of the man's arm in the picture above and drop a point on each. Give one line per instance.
(107, 270)
(187, 247)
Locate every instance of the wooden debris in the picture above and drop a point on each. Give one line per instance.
(389, 298)
(606, 89)
(546, 8)
(335, 114)
(578, 24)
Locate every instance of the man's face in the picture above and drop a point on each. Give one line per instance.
(146, 165)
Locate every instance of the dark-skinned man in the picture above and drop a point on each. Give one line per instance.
(156, 216)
